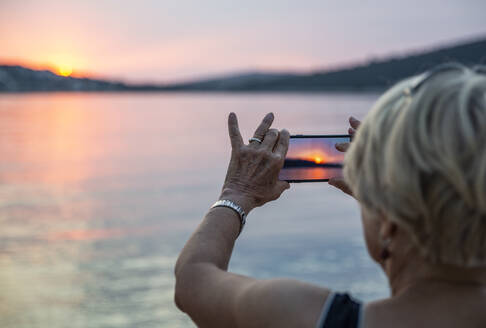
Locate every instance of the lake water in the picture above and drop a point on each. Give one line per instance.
(99, 192)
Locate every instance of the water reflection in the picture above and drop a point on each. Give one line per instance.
(37, 275)
(98, 192)
(44, 141)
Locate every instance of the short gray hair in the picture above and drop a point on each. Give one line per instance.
(419, 157)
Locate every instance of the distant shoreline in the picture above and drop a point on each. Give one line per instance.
(229, 92)
(374, 76)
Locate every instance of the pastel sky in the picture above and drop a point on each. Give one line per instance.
(159, 40)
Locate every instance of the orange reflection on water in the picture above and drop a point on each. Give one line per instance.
(48, 139)
(96, 234)
(77, 235)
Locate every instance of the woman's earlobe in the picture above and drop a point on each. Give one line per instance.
(388, 230)
(385, 251)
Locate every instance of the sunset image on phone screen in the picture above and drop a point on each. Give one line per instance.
(313, 159)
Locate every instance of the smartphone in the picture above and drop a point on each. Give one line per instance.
(313, 158)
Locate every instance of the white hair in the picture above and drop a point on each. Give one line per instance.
(419, 157)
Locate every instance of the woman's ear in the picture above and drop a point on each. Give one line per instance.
(387, 232)
(388, 229)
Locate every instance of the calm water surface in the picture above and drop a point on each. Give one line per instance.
(99, 192)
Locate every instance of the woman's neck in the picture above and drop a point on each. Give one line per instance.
(413, 272)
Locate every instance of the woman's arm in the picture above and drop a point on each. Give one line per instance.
(204, 289)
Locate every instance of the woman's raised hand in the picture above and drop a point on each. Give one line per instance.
(343, 147)
(252, 177)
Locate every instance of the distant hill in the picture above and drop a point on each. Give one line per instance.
(21, 79)
(374, 75)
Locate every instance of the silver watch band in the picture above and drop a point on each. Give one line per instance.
(237, 208)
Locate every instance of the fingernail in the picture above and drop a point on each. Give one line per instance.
(268, 117)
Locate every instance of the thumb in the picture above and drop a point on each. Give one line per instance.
(340, 184)
(342, 146)
(282, 186)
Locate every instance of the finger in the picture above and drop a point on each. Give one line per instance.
(282, 145)
(270, 139)
(351, 131)
(264, 126)
(282, 186)
(234, 131)
(342, 146)
(355, 123)
(341, 185)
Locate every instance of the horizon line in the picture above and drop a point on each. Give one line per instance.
(240, 72)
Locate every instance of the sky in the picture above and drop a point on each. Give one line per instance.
(168, 41)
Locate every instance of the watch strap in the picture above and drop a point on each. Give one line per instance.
(237, 208)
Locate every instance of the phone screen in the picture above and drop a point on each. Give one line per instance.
(313, 158)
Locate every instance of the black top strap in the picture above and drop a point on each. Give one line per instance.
(342, 312)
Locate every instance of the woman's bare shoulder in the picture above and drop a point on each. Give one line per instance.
(281, 303)
(448, 310)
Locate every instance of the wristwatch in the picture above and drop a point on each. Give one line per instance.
(237, 208)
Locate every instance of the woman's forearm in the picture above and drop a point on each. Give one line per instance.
(251, 180)
(213, 240)
(210, 245)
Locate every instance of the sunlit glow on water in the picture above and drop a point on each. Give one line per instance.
(98, 193)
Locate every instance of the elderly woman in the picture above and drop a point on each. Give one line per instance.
(417, 167)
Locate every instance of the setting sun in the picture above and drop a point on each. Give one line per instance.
(65, 70)
(318, 160)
